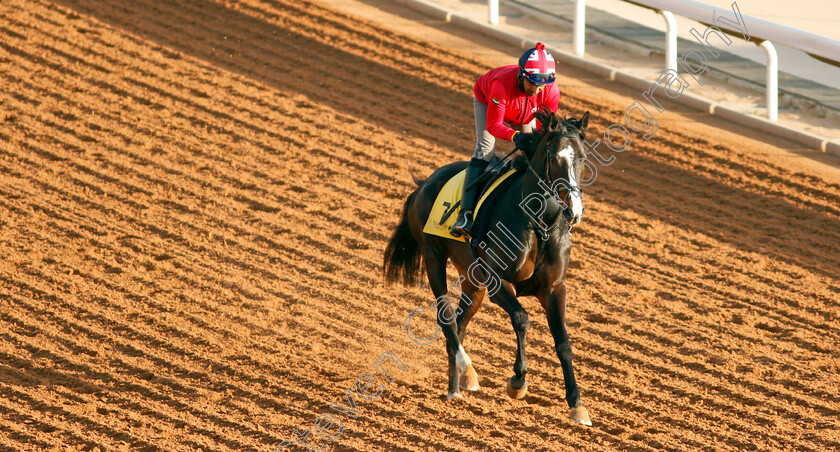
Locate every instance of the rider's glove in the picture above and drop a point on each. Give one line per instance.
(522, 140)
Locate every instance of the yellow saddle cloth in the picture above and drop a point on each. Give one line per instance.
(449, 195)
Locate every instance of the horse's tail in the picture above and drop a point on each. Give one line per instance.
(402, 255)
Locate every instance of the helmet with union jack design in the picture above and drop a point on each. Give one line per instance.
(537, 65)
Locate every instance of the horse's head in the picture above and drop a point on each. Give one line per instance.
(560, 145)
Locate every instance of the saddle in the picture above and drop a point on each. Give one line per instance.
(447, 203)
(495, 169)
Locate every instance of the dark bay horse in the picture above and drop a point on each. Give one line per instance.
(526, 253)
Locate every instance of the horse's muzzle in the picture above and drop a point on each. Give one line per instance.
(570, 217)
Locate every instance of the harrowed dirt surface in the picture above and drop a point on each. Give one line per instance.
(194, 201)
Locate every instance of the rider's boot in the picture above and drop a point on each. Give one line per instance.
(465, 216)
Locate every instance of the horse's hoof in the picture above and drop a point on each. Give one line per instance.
(469, 379)
(454, 395)
(580, 414)
(517, 393)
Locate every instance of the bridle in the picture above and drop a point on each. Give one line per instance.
(546, 194)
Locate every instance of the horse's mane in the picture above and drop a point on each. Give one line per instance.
(552, 123)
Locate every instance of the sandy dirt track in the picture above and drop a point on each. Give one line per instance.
(192, 220)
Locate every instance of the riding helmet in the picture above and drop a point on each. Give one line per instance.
(537, 65)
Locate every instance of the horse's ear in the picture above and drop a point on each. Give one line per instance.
(584, 121)
(543, 115)
(555, 122)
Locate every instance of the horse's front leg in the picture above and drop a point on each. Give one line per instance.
(506, 298)
(554, 302)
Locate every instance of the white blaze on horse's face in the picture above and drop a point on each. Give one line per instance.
(567, 155)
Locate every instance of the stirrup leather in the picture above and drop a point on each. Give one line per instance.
(465, 216)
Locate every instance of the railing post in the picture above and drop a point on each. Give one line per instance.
(772, 80)
(493, 12)
(579, 38)
(670, 40)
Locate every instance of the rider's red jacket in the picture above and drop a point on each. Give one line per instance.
(499, 90)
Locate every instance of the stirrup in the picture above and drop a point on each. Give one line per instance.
(462, 226)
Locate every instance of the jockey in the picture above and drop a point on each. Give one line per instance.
(511, 94)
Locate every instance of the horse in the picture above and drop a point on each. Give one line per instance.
(536, 242)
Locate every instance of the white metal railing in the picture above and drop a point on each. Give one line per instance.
(493, 12)
(579, 38)
(670, 40)
(772, 83)
(760, 31)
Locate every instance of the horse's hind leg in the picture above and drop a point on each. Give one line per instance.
(436, 270)
(468, 304)
(470, 300)
(554, 303)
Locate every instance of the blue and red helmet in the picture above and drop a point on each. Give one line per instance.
(537, 65)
